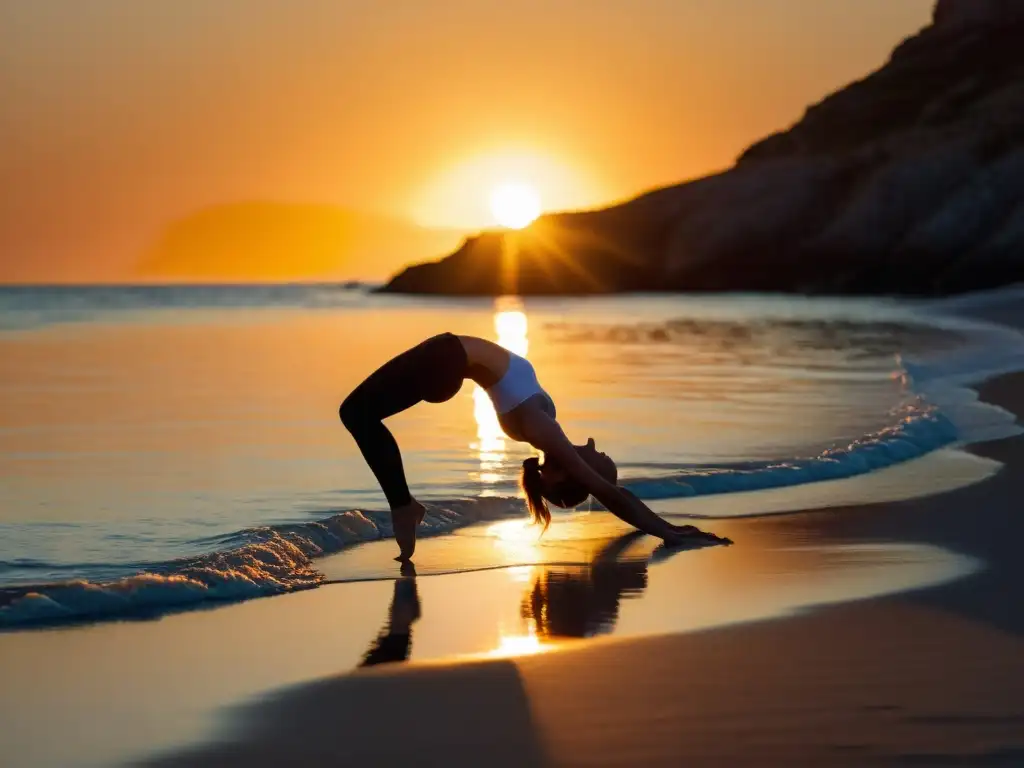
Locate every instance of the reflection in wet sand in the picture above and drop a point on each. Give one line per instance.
(565, 602)
(510, 327)
(559, 602)
(394, 642)
(584, 601)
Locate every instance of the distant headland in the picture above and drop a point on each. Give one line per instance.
(285, 241)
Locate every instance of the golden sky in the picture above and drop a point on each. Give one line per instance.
(120, 116)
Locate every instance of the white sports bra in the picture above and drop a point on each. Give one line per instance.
(518, 385)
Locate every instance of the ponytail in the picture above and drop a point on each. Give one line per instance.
(533, 487)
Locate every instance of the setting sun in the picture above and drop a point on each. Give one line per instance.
(515, 205)
(465, 194)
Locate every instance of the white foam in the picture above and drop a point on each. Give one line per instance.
(272, 560)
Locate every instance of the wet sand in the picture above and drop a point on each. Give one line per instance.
(931, 676)
(114, 691)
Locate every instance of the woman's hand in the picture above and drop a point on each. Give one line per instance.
(685, 534)
(670, 534)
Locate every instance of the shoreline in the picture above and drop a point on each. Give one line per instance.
(825, 587)
(928, 676)
(990, 534)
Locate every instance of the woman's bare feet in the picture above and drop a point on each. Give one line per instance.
(404, 521)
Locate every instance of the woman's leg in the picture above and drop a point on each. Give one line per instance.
(390, 390)
(432, 371)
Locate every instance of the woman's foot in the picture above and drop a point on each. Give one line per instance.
(404, 521)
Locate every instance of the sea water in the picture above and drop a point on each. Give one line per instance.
(162, 447)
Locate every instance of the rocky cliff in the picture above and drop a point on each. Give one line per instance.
(908, 181)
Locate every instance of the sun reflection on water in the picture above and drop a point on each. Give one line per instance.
(525, 644)
(510, 328)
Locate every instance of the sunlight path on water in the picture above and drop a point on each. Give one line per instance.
(510, 325)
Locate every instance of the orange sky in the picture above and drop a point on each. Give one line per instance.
(119, 116)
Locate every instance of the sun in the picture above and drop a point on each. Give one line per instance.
(515, 205)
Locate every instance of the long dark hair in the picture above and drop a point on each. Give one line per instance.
(565, 494)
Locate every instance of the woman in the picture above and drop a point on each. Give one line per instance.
(434, 371)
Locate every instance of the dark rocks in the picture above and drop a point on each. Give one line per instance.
(955, 14)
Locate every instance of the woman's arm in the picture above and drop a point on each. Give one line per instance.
(624, 505)
(680, 532)
(546, 435)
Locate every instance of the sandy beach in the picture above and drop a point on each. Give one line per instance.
(928, 677)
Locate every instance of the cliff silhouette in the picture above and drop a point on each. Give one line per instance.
(909, 181)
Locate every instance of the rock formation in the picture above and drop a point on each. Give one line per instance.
(910, 181)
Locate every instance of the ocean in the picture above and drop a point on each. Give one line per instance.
(164, 448)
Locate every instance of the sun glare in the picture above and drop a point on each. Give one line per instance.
(463, 193)
(515, 205)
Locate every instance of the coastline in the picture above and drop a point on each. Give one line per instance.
(930, 676)
(889, 624)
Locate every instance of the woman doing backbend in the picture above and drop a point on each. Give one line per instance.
(434, 371)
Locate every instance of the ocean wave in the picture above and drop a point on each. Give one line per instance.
(917, 429)
(265, 561)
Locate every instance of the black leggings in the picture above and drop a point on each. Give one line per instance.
(432, 371)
